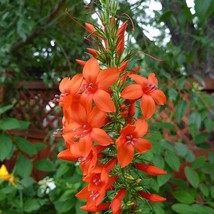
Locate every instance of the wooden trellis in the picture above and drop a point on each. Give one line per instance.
(33, 104)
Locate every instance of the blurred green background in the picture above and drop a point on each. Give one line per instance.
(38, 46)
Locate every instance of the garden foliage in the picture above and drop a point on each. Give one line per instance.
(182, 142)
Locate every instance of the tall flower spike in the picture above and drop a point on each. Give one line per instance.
(101, 129)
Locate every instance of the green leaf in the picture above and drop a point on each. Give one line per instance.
(78, 204)
(23, 166)
(204, 189)
(158, 208)
(209, 124)
(201, 138)
(162, 179)
(184, 196)
(165, 16)
(156, 136)
(27, 182)
(195, 119)
(211, 157)
(201, 209)
(212, 191)
(192, 176)
(12, 123)
(39, 146)
(4, 109)
(181, 149)
(172, 160)
(62, 170)
(164, 125)
(25, 146)
(180, 83)
(172, 94)
(198, 162)
(167, 145)
(204, 9)
(45, 165)
(65, 206)
(183, 209)
(180, 110)
(31, 205)
(6, 146)
(190, 157)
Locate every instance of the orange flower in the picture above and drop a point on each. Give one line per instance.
(90, 28)
(147, 89)
(85, 129)
(120, 45)
(93, 197)
(96, 85)
(122, 29)
(149, 169)
(152, 197)
(97, 208)
(81, 62)
(92, 51)
(73, 154)
(68, 88)
(130, 140)
(97, 179)
(117, 201)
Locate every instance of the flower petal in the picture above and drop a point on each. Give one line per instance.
(76, 83)
(100, 137)
(103, 101)
(85, 146)
(139, 79)
(152, 79)
(97, 118)
(132, 92)
(142, 145)
(159, 97)
(141, 127)
(147, 106)
(86, 101)
(78, 113)
(107, 78)
(117, 201)
(125, 154)
(66, 155)
(91, 70)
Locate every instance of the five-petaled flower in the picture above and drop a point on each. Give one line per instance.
(96, 85)
(130, 140)
(147, 89)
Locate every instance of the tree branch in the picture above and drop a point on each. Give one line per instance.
(38, 29)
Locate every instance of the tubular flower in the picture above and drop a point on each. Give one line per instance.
(152, 197)
(149, 169)
(130, 140)
(93, 52)
(96, 85)
(117, 201)
(147, 90)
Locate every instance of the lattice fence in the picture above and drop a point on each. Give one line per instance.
(33, 103)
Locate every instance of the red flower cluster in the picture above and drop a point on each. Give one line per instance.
(99, 125)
